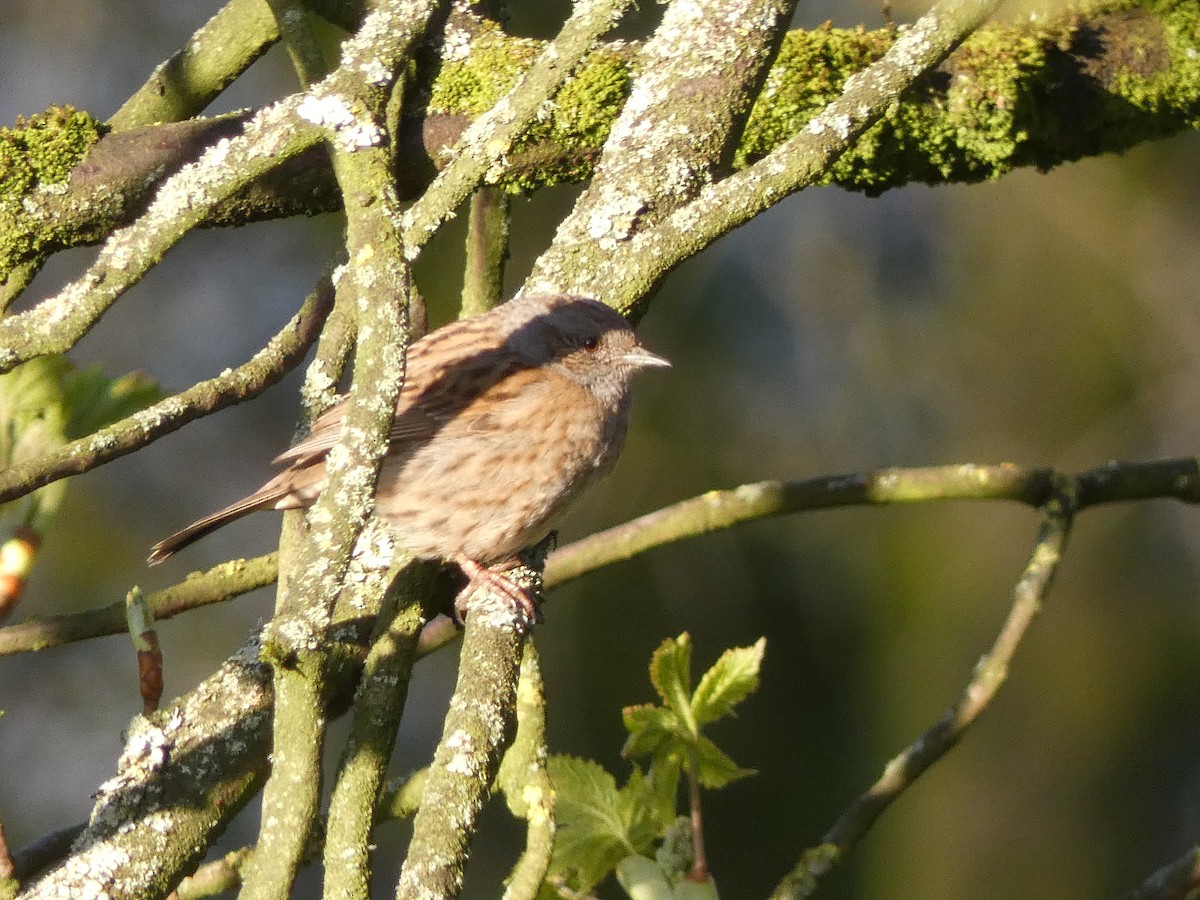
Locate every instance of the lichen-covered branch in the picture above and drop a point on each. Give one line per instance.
(482, 151)
(350, 105)
(378, 704)
(1095, 80)
(183, 201)
(638, 259)
(194, 76)
(185, 772)
(990, 673)
(526, 783)
(477, 728)
(694, 82)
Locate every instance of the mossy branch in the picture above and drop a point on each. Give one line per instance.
(629, 258)
(1096, 80)
(692, 88)
(482, 151)
(56, 323)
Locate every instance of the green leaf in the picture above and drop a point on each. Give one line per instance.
(670, 673)
(664, 776)
(592, 837)
(642, 879)
(641, 812)
(92, 399)
(714, 768)
(31, 408)
(731, 679)
(653, 730)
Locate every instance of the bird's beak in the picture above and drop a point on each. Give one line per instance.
(641, 358)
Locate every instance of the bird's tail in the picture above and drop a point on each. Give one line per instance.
(210, 523)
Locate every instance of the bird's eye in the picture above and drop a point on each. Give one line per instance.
(591, 343)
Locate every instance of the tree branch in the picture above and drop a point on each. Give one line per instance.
(477, 728)
(637, 258)
(281, 354)
(349, 104)
(695, 80)
(990, 673)
(1028, 94)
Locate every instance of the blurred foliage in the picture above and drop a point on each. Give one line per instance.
(47, 402)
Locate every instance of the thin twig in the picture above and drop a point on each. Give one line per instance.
(1178, 880)
(282, 353)
(990, 673)
(218, 584)
(487, 251)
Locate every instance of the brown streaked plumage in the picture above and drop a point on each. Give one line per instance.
(503, 419)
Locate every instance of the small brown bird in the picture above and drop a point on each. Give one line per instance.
(504, 418)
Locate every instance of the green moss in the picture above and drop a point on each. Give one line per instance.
(40, 150)
(44, 148)
(1178, 86)
(1037, 93)
(809, 73)
(471, 86)
(584, 107)
(583, 114)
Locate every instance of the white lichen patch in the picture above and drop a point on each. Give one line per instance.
(333, 112)
(375, 72)
(461, 763)
(457, 46)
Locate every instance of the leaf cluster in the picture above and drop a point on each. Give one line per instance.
(603, 828)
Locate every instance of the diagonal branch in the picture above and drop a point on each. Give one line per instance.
(281, 354)
(636, 260)
(183, 201)
(482, 151)
(990, 673)
(696, 78)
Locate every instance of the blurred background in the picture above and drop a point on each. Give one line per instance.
(1043, 320)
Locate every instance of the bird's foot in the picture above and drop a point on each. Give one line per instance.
(518, 599)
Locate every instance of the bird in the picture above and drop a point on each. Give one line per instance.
(503, 419)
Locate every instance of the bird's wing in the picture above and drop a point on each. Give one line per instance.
(432, 396)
